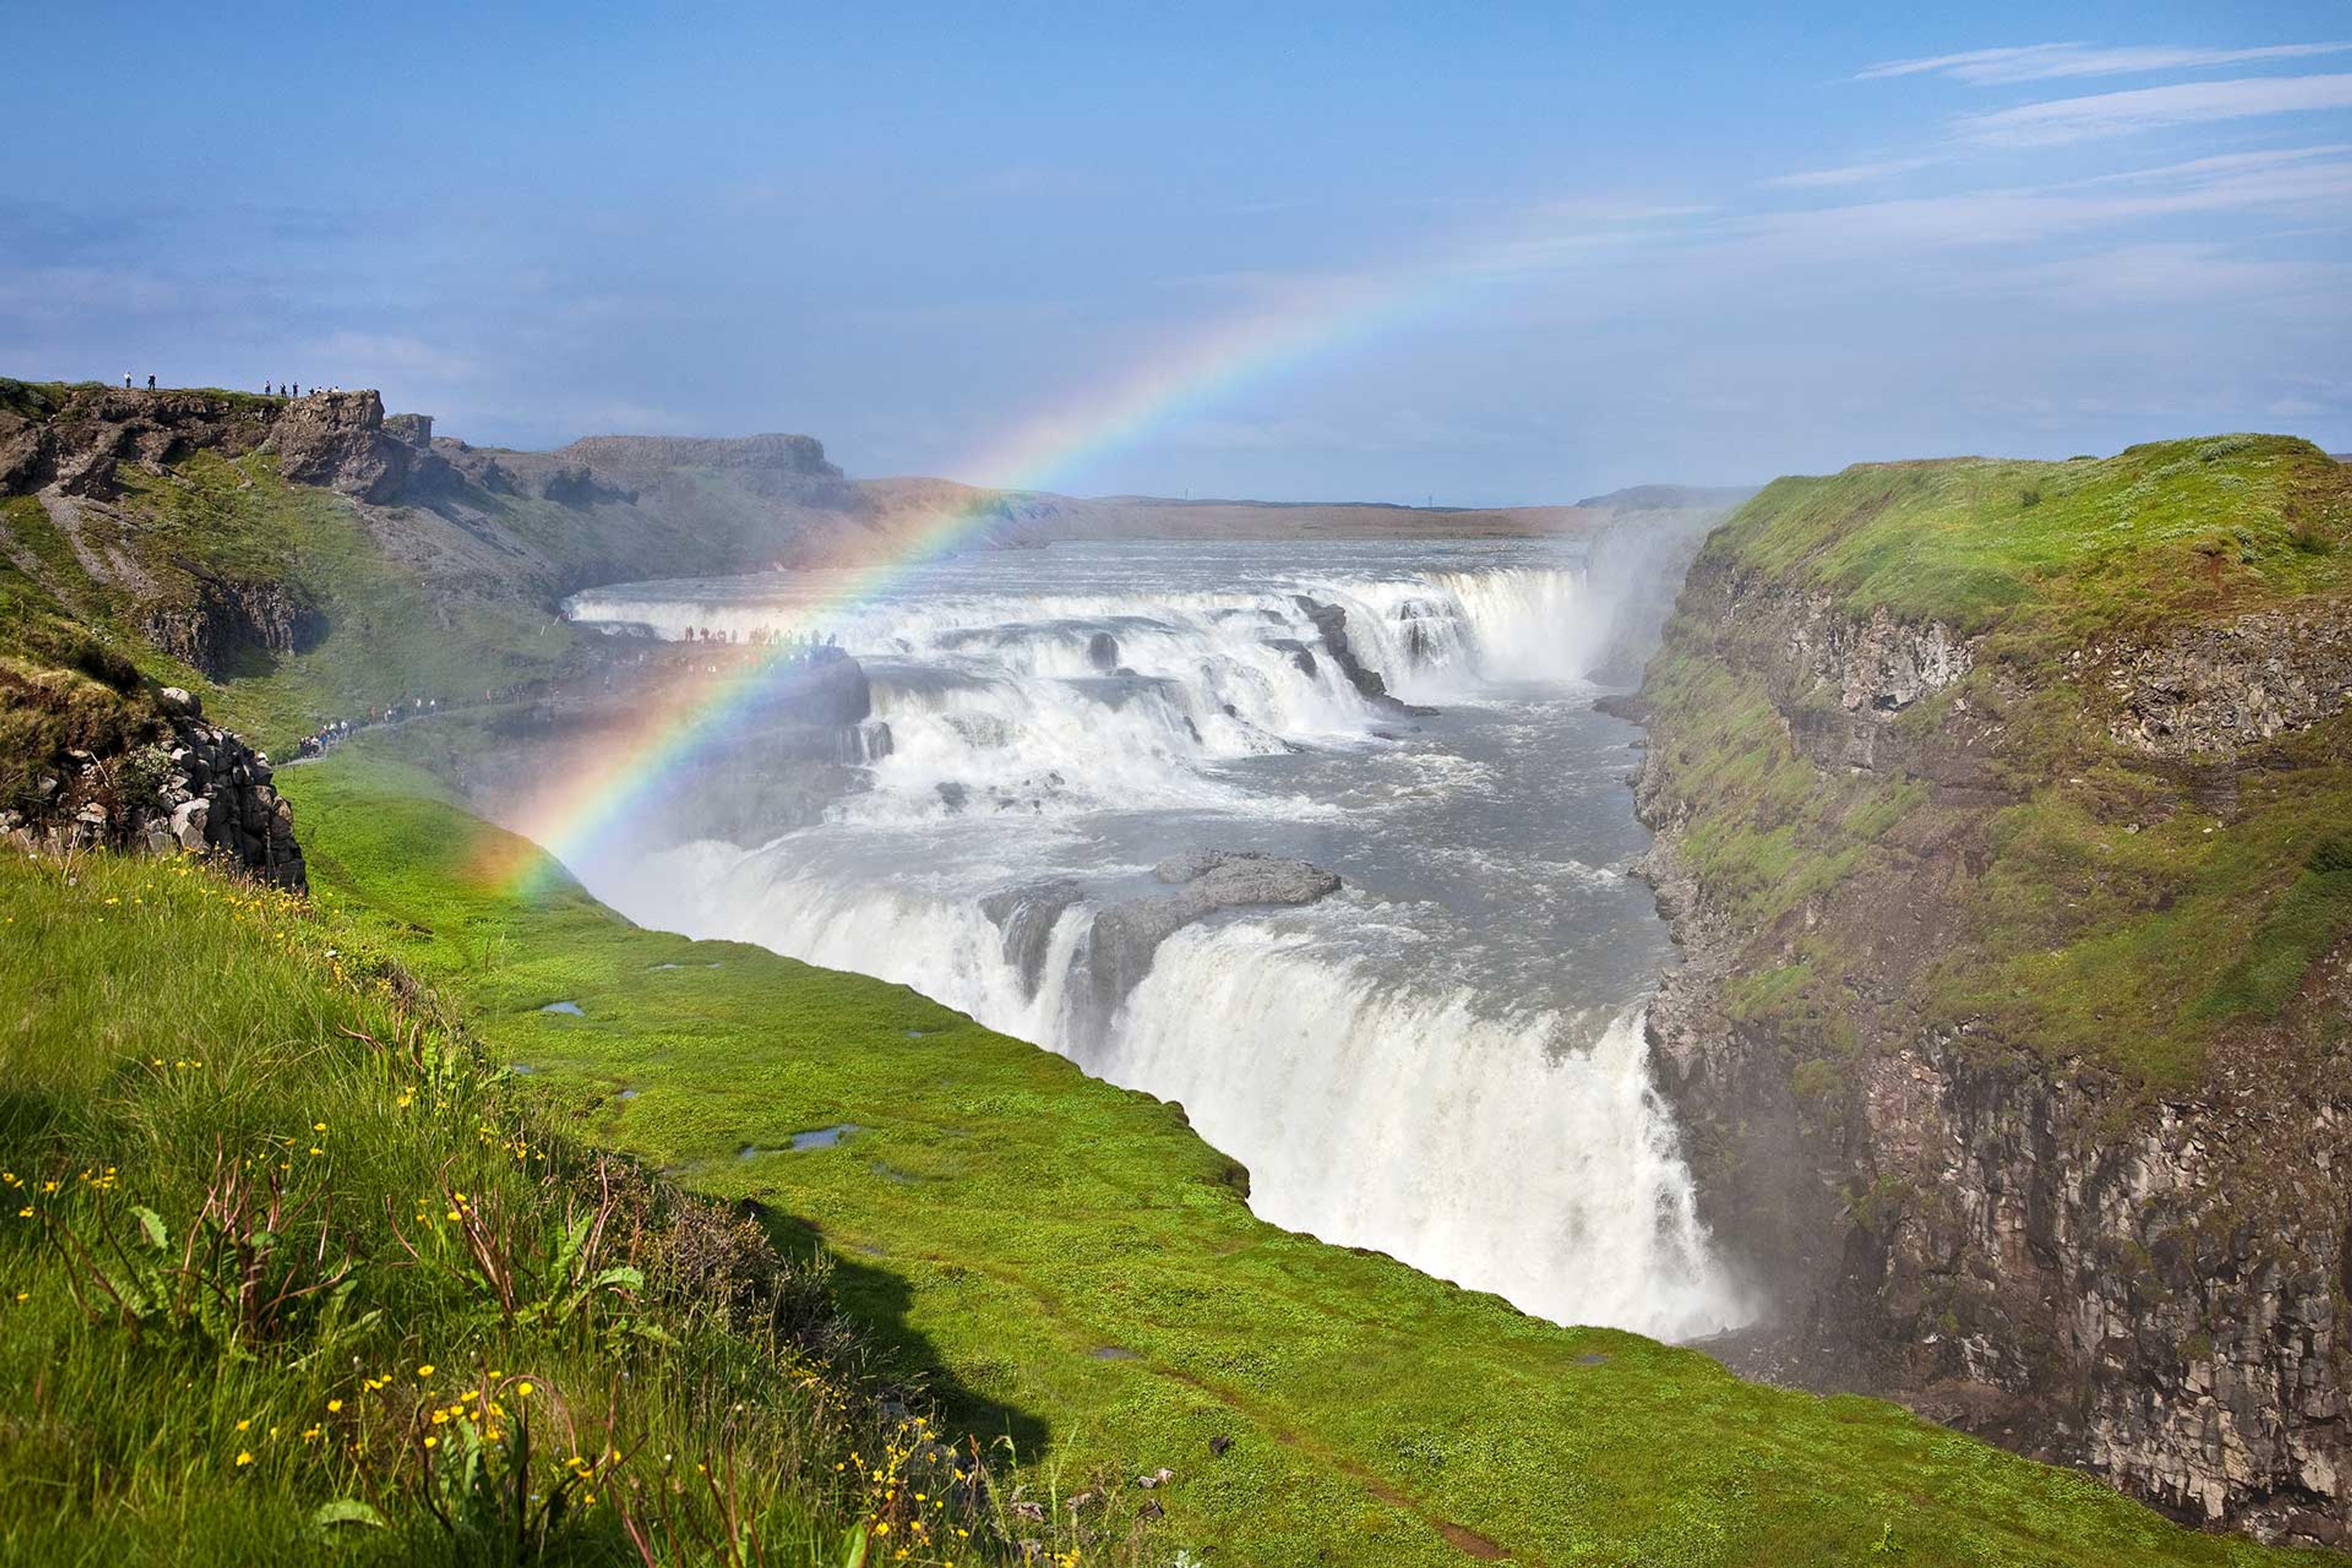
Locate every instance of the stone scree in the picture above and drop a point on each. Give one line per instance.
(217, 799)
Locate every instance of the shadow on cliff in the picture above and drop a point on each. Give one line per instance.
(879, 1301)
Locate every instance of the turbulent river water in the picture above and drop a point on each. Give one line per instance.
(1444, 1059)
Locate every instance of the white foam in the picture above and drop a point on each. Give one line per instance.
(1376, 1099)
(1506, 1154)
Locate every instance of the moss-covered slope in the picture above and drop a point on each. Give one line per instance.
(2093, 898)
(2004, 810)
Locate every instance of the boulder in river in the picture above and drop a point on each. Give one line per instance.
(1124, 936)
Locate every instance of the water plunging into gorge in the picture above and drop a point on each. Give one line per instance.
(1442, 1059)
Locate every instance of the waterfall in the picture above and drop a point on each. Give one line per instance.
(1050, 739)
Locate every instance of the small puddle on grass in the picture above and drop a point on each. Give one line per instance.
(569, 1009)
(818, 1138)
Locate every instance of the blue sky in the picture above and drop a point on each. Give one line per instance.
(1487, 253)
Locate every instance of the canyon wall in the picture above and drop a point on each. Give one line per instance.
(2111, 1234)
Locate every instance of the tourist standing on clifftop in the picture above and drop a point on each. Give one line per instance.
(151, 381)
(126, 381)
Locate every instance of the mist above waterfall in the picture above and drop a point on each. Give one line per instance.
(1442, 1060)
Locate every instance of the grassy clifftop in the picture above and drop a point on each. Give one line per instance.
(1076, 1270)
(2116, 837)
(295, 1271)
(2047, 551)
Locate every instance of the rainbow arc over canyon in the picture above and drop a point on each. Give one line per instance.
(572, 818)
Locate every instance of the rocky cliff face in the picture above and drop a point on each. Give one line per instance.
(2215, 689)
(79, 446)
(2149, 1285)
(224, 616)
(194, 789)
(338, 439)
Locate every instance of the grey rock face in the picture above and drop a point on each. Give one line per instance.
(226, 615)
(1124, 936)
(216, 799)
(2155, 1291)
(1026, 917)
(79, 449)
(1331, 622)
(188, 823)
(338, 439)
(2210, 690)
(1881, 666)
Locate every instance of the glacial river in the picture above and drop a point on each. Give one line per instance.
(1443, 1060)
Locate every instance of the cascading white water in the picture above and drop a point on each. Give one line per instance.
(1503, 1154)
(1377, 1060)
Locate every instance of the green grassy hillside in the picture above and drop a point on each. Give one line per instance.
(1074, 1270)
(385, 631)
(2082, 898)
(1060, 1269)
(2155, 532)
(287, 1275)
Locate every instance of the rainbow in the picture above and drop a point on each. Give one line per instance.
(573, 818)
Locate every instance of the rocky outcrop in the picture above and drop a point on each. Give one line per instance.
(1879, 666)
(2206, 691)
(1026, 918)
(1331, 622)
(195, 789)
(93, 430)
(1126, 935)
(337, 439)
(2151, 1286)
(224, 615)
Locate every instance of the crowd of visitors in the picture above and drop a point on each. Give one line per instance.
(326, 736)
(802, 645)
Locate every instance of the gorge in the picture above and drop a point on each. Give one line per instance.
(1328, 843)
(1441, 1056)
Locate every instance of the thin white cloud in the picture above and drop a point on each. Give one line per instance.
(2224, 164)
(2026, 215)
(2155, 108)
(2046, 62)
(1849, 175)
